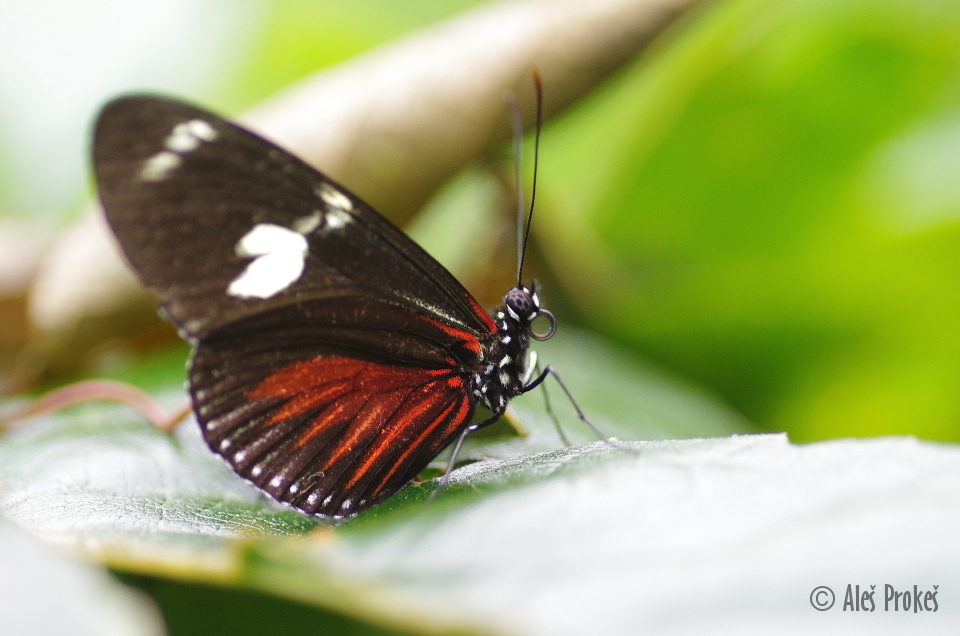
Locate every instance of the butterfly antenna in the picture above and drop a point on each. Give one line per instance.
(516, 118)
(525, 232)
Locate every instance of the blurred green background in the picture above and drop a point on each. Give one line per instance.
(766, 203)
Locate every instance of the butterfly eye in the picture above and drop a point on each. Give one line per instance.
(521, 304)
(552, 329)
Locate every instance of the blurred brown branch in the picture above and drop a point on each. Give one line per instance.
(393, 125)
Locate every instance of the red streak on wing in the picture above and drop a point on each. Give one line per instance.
(336, 413)
(465, 338)
(380, 377)
(407, 422)
(377, 410)
(360, 393)
(316, 397)
(482, 314)
(295, 378)
(453, 423)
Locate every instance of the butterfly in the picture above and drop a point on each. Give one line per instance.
(333, 358)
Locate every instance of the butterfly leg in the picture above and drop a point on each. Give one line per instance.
(549, 371)
(549, 409)
(455, 453)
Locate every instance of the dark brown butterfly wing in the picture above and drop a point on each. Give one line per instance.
(223, 224)
(332, 354)
(328, 434)
(326, 411)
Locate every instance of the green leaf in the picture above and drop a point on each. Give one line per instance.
(98, 471)
(98, 478)
(570, 540)
(724, 535)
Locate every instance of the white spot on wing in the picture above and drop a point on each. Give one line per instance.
(312, 498)
(334, 198)
(267, 238)
(182, 141)
(202, 130)
(159, 166)
(309, 223)
(256, 471)
(185, 137)
(279, 261)
(337, 218)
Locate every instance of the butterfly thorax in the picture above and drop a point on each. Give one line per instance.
(505, 369)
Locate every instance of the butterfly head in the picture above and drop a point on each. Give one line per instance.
(523, 305)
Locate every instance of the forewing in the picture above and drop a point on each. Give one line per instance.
(225, 225)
